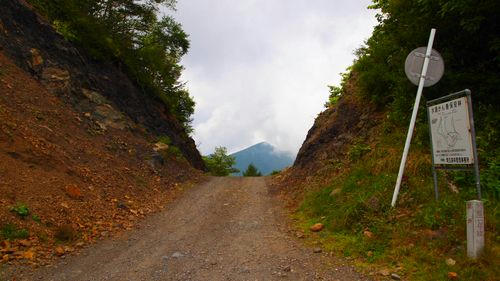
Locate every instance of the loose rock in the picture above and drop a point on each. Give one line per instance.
(177, 255)
(452, 275)
(368, 234)
(335, 192)
(394, 276)
(317, 227)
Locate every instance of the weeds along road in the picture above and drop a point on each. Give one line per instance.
(226, 229)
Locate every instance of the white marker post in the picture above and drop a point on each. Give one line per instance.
(475, 228)
(413, 116)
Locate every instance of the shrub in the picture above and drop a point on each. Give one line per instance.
(10, 231)
(219, 163)
(251, 171)
(20, 210)
(357, 151)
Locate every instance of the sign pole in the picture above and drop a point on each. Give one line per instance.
(474, 146)
(413, 116)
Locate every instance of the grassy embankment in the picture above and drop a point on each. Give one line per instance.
(416, 238)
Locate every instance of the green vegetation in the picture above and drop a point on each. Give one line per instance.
(11, 232)
(219, 163)
(251, 171)
(417, 237)
(414, 239)
(21, 210)
(467, 38)
(357, 151)
(275, 172)
(335, 91)
(130, 34)
(36, 218)
(172, 150)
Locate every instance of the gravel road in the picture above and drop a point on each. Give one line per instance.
(226, 229)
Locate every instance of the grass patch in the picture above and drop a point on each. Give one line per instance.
(12, 232)
(413, 240)
(21, 210)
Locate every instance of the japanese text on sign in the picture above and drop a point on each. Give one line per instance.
(450, 131)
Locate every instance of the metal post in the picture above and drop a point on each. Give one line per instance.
(474, 148)
(413, 116)
(434, 176)
(434, 172)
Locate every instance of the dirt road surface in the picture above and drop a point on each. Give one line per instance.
(225, 229)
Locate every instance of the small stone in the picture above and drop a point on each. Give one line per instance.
(299, 234)
(29, 255)
(73, 191)
(245, 270)
(160, 146)
(368, 234)
(287, 268)
(317, 227)
(450, 262)
(394, 276)
(452, 275)
(317, 250)
(122, 205)
(177, 255)
(80, 244)
(5, 258)
(60, 251)
(36, 58)
(369, 253)
(335, 192)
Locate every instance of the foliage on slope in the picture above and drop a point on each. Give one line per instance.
(220, 164)
(467, 38)
(346, 169)
(130, 34)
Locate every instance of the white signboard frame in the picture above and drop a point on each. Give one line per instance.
(450, 132)
(453, 137)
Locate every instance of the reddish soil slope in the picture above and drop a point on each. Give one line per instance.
(79, 182)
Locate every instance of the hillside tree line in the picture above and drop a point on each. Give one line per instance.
(467, 38)
(132, 35)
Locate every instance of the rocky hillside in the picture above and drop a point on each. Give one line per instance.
(326, 147)
(82, 82)
(83, 155)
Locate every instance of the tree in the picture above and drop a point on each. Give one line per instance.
(252, 171)
(219, 163)
(131, 34)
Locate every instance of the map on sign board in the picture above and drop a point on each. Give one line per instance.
(450, 131)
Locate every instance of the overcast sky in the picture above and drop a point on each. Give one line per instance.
(258, 69)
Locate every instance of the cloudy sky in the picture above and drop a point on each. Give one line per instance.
(259, 69)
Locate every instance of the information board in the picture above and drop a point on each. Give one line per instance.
(450, 132)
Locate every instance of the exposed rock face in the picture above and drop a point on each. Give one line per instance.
(335, 129)
(98, 88)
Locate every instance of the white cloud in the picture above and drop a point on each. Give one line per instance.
(259, 69)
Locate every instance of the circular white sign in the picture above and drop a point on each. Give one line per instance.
(415, 61)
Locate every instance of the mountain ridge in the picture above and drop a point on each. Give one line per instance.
(264, 156)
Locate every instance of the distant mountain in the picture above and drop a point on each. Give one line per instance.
(264, 156)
